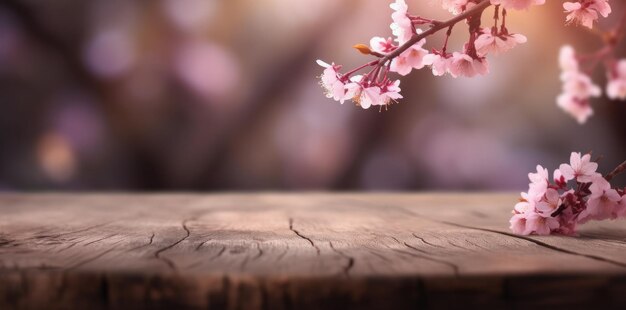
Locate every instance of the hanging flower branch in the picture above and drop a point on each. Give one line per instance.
(372, 84)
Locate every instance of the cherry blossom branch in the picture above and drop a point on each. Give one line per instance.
(436, 27)
(619, 169)
(405, 52)
(577, 70)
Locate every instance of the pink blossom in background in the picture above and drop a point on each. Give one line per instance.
(567, 59)
(194, 15)
(110, 53)
(207, 68)
(578, 88)
(411, 32)
(616, 87)
(578, 108)
(585, 12)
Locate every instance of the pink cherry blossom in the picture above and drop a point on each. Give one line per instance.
(603, 202)
(354, 88)
(540, 177)
(382, 45)
(402, 27)
(577, 90)
(568, 222)
(464, 65)
(567, 59)
(331, 82)
(399, 54)
(580, 85)
(454, 6)
(580, 109)
(390, 93)
(550, 203)
(616, 87)
(585, 12)
(518, 224)
(490, 43)
(580, 168)
(537, 224)
(369, 96)
(517, 4)
(412, 58)
(439, 64)
(523, 207)
(538, 183)
(559, 179)
(559, 209)
(533, 196)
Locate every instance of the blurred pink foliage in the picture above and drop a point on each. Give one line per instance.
(220, 95)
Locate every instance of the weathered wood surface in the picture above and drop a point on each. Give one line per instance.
(296, 251)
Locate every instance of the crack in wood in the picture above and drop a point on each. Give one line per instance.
(160, 251)
(382, 257)
(143, 245)
(252, 258)
(55, 236)
(317, 249)
(458, 246)
(280, 257)
(201, 244)
(426, 242)
(416, 249)
(244, 263)
(4, 242)
(91, 259)
(477, 245)
(92, 242)
(351, 261)
(219, 253)
(69, 246)
(537, 242)
(258, 247)
(396, 239)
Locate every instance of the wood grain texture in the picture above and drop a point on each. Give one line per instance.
(296, 251)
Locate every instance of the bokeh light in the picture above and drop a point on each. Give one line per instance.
(223, 95)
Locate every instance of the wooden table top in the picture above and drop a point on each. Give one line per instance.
(295, 251)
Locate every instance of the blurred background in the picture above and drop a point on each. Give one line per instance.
(210, 95)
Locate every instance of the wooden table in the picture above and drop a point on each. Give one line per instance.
(296, 251)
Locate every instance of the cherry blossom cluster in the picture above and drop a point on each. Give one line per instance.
(576, 194)
(576, 71)
(405, 51)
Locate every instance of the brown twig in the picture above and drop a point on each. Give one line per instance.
(619, 169)
(476, 10)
